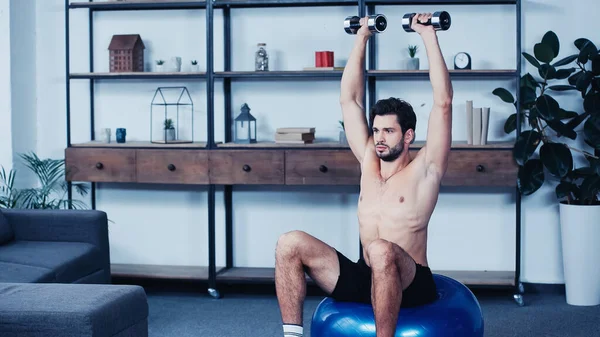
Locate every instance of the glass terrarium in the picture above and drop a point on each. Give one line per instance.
(172, 116)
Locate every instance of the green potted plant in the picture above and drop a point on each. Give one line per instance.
(343, 139)
(160, 65)
(50, 191)
(546, 149)
(169, 130)
(412, 63)
(194, 67)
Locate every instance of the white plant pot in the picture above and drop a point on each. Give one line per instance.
(159, 68)
(343, 139)
(195, 68)
(412, 64)
(580, 234)
(170, 134)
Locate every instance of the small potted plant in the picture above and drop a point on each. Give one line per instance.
(343, 139)
(194, 67)
(159, 65)
(169, 130)
(413, 62)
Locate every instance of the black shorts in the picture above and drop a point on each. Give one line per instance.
(354, 284)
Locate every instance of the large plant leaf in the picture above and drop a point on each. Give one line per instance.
(528, 95)
(591, 131)
(566, 60)
(586, 49)
(561, 74)
(547, 106)
(543, 52)
(561, 87)
(564, 114)
(504, 95)
(531, 59)
(547, 71)
(591, 103)
(573, 123)
(557, 158)
(562, 130)
(590, 187)
(551, 39)
(530, 176)
(596, 64)
(526, 145)
(528, 81)
(511, 123)
(583, 81)
(565, 189)
(575, 77)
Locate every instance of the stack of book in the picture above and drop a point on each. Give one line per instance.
(295, 135)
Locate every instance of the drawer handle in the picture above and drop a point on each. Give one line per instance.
(323, 168)
(246, 168)
(171, 167)
(99, 166)
(480, 168)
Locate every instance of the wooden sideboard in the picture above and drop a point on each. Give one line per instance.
(266, 164)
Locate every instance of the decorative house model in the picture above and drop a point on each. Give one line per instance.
(126, 53)
(172, 116)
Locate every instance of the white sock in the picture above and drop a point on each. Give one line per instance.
(292, 330)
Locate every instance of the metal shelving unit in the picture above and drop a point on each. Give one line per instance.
(230, 273)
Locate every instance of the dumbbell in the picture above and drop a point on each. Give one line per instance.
(377, 23)
(439, 20)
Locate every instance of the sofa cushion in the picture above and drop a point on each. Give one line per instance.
(70, 261)
(6, 232)
(55, 309)
(14, 272)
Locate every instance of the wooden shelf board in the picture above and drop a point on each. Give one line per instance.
(160, 272)
(416, 145)
(139, 4)
(280, 74)
(138, 144)
(472, 278)
(476, 73)
(137, 75)
(441, 2)
(283, 3)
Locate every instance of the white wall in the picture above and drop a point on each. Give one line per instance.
(5, 88)
(24, 80)
(472, 229)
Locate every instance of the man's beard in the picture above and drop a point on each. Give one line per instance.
(393, 154)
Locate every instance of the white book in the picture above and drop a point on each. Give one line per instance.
(476, 126)
(469, 122)
(485, 123)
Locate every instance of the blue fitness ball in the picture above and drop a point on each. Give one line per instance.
(456, 312)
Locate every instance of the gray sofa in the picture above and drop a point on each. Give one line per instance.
(54, 246)
(55, 275)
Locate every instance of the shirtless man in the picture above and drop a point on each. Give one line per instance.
(398, 195)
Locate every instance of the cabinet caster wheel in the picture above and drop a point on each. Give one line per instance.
(519, 299)
(214, 293)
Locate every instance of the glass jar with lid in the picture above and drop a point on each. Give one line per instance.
(261, 62)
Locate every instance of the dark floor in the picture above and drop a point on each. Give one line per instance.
(187, 310)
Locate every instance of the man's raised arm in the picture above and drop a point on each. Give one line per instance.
(439, 129)
(351, 96)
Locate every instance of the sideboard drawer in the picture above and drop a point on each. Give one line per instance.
(230, 167)
(321, 167)
(100, 165)
(171, 166)
(481, 168)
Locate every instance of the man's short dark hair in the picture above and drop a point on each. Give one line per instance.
(393, 106)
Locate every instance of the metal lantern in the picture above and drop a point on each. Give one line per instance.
(245, 126)
(174, 122)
